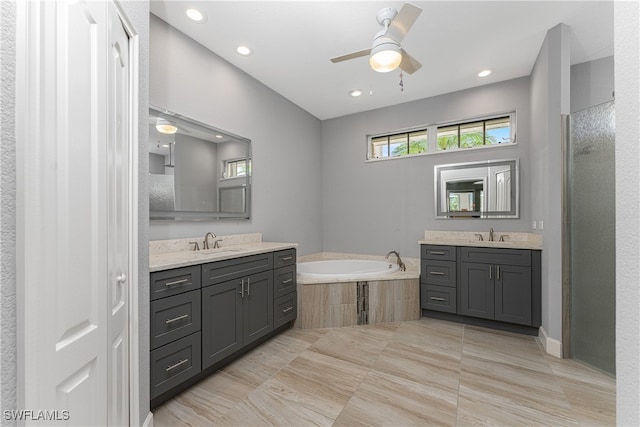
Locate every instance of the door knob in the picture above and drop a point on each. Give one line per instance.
(121, 278)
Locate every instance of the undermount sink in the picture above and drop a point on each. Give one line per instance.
(217, 251)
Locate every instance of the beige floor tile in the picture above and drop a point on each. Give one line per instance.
(386, 400)
(204, 403)
(420, 365)
(422, 372)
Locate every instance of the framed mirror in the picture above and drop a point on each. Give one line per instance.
(196, 171)
(488, 189)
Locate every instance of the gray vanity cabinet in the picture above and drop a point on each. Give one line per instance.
(238, 311)
(496, 284)
(204, 316)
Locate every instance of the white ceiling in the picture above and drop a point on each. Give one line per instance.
(294, 40)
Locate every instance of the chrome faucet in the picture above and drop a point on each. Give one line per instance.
(205, 244)
(491, 234)
(400, 263)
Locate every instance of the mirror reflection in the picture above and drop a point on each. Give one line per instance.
(477, 190)
(196, 171)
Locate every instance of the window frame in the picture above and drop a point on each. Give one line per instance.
(432, 135)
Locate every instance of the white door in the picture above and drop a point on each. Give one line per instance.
(72, 219)
(118, 219)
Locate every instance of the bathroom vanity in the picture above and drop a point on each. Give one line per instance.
(488, 283)
(209, 307)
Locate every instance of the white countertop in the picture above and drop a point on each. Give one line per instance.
(512, 240)
(166, 261)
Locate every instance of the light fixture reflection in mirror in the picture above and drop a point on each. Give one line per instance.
(488, 189)
(190, 177)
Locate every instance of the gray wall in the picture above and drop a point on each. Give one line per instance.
(8, 364)
(591, 83)
(193, 81)
(374, 207)
(627, 82)
(550, 94)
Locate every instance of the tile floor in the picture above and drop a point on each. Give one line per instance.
(423, 372)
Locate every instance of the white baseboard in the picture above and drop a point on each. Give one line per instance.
(148, 422)
(552, 346)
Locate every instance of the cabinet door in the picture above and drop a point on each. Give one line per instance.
(476, 290)
(221, 321)
(513, 294)
(257, 306)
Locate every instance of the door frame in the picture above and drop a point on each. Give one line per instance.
(27, 103)
(134, 350)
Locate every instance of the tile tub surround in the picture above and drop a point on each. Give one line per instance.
(168, 254)
(513, 240)
(393, 297)
(424, 372)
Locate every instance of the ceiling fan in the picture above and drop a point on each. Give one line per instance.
(386, 54)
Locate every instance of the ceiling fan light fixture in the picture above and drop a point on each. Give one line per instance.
(385, 57)
(166, 127)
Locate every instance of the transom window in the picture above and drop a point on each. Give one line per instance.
(399, 144)
(473, 134)
(483, 132)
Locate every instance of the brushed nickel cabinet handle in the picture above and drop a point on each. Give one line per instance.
(284, 282)
(287, 258)
(497, 272)
(437, 299)
(490, 268)
(180, 363)
(175, 319)
(287, 309)
(436, 273)
(248, 286)
(241, 289)
(176, 282)
(436, 253)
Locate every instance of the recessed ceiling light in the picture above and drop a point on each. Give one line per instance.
(485, 73)
(195, 15)
(219, 136)
(244, 50)
(355, 92)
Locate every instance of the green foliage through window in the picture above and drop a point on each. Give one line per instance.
(401, 144)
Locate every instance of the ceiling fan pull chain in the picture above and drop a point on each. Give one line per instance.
(401, 82)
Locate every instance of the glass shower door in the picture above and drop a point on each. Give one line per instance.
(591, 227)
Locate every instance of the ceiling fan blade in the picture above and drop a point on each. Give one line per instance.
(403, 21)
(352, 55)
(409, 63)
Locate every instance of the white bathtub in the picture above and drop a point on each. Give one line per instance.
(356, 269)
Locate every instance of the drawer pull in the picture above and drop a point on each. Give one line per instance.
(180, 363)
(176, 282)
(284, 282)
(287, 258)
(175, 319)
(436, 273)
(287, 309)
(437, 299)
(437, 253)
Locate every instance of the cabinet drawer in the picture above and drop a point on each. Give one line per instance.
(496, 256)
(441, 252)
(441, 273)
(285, 309)
(285, 257)
(439, 298)
(175, 317)
(175, 281)
(222, 271)
(174, 363)
(284, 281)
